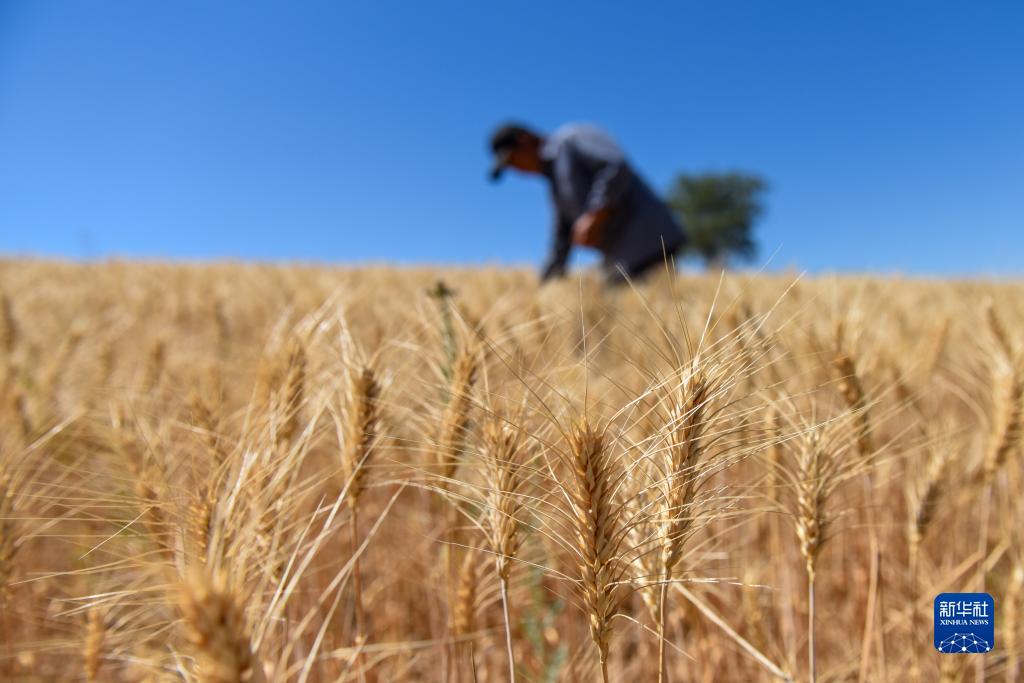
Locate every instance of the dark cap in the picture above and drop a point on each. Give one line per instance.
(504, 141)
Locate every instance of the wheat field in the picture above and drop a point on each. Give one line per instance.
(233, 472)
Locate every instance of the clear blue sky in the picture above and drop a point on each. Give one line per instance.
(892, 132)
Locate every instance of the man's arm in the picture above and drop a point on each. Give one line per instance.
(560, 247)
(610, 174)
(611, 182)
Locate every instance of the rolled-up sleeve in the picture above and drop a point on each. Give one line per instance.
(611, 182)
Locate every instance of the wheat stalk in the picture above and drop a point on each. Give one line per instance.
(926, 497)
(502, 451)
(357, 432)
(95, 634)
(599, 531)
(215, 626)
(773, 455)
(684, 449)
(8, 532)
(1004, 340)
(26, 423)
(852, 390)
(357, 436)
(449, 446)
(935, 350)
(812, 494)
(1008, 422)
(292, 390)
(155, 365)
(151, 500)
(51, 379)
(812, 478)
(464, 611)
(455, 418)
(9, 330)
(810, 527)
(1014, 616)
(206, 418)
(200, 521)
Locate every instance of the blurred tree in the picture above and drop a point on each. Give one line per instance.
(718, 212)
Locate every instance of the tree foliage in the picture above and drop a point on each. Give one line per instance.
(718, 212)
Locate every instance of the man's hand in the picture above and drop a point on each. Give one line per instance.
(586, 231)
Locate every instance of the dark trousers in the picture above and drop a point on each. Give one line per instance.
(615, 274)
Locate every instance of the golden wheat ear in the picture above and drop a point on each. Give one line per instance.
(1007, 415)
(8, 532)
(455, 418)
(9, 329)
(925, 499)
(688, 413)
(92, 653)
(357, 430)
(811, 476)
(503, 452)
(851, 387)
(215, 627)
(504, 456)
(599, 527)
(464, 610)
(357, 433)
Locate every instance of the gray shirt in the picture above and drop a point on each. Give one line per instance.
(588, 171)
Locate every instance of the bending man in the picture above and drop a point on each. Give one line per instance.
(599, 201)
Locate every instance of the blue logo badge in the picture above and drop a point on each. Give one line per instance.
(964, 623)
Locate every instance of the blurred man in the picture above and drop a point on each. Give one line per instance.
(599, 201)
